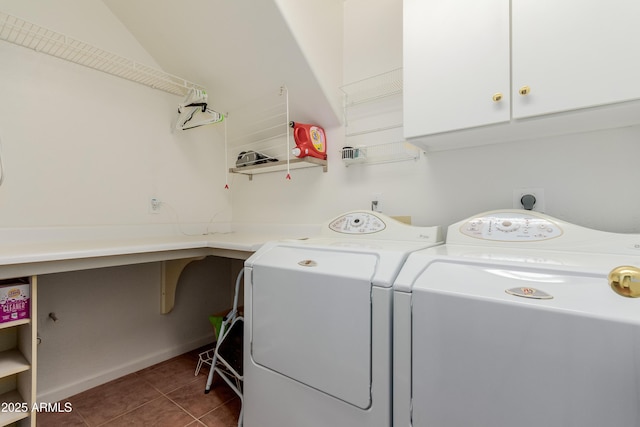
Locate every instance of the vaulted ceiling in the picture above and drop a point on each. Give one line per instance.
(237, 49)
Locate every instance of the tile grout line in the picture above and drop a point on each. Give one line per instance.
(161, 394)
(127, 412)
(166, 395)
(220, 406)
(175, 403)
(223, 403)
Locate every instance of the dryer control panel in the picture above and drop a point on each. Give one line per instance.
(369, 225)
(513, 227)
(357, 223)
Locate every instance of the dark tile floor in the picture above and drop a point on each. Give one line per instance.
(167, 394)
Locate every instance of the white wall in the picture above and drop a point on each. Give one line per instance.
(109, 322)
(81, 147)
(587, 178)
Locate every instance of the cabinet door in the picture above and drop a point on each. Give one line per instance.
(456, 58)
(574, 54)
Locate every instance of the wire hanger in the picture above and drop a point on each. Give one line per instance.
(193, 111)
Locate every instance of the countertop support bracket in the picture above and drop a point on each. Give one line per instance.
(171, 272)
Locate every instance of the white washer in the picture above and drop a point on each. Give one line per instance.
(513, 322)
(318, 323)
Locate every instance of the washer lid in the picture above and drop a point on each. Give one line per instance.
(344, 262)
(546, 288)
(339, 255)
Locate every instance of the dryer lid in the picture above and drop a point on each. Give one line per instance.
(311, 319)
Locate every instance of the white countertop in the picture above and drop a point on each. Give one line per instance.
(26, 251)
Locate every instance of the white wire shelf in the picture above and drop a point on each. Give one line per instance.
(373, 88)
(280, 165)
(26, 34)
(259, 138)
(373, 116)
(381, 153)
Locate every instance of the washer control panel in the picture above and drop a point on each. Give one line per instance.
(513, 227)
(357, 223)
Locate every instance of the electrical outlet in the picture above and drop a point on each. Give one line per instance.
(154, 205)
(376, 202)
(538, 193)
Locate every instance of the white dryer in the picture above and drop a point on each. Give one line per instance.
(318, 323)
(514, 323)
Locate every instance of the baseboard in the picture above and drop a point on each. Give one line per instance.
(67, 390)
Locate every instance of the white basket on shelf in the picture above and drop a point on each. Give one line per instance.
(353, 154)
(381, 153)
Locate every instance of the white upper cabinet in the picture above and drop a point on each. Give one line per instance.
(574, 54)
(456, 60)
(477, 72)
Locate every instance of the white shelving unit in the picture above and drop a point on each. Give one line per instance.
(18, 344)
(373, 121)
(263, 127)
(24, 33)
